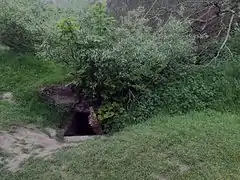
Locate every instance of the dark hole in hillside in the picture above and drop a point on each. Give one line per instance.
(79, 125)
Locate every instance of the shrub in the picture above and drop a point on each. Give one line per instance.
(234, 42)
(117, 62)
(199, 88)
(13, 31)
(25, 23)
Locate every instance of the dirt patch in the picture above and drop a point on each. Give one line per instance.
(7, 96)
(182, 167)
(22, 143)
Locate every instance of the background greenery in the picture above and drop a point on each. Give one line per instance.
(187, 109)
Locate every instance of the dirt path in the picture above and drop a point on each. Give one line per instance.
(19, 144)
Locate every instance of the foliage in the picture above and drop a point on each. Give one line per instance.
(126, 65)
(117, 62)
(25, 23)
(14, 16)
(196, 88)
(23, 76)
(234, 42)
(216, 86)
(109, 111)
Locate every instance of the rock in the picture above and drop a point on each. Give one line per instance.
(77, 138)
(51, 132)
(67, 97)
(59, 95)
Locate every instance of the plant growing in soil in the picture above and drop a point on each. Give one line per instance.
(117, 62)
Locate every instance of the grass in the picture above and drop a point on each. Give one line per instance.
(23, 76)
(198, 145)
(201, 145)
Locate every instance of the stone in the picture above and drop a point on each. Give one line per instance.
(75, 139)
(51, 132)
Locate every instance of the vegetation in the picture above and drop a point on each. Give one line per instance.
(132, 69)
(186, 103)
(117, 62)
(24, 75)
(194, 146)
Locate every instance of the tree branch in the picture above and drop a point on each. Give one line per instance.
(225, 40)
(153, 4)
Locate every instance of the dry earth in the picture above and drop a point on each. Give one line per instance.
(21, 143)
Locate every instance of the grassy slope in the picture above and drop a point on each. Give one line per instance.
(24, 76)
(202, 145)
(196, 146)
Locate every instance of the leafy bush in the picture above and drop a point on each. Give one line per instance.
(126, 65)
(114, 62)
(13, 32)
(25, 23)
(214, 87)
(117, 62)
(234, 43)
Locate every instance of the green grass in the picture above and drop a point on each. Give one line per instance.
(202, 145)
(24, 75)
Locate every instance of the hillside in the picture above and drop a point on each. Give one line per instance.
(202, 145)
(87, 95)
(194, 146)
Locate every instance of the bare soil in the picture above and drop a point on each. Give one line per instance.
(20, 144)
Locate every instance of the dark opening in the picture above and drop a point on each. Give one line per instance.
(79, 125)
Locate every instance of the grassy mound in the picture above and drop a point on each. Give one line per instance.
(194, 146)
